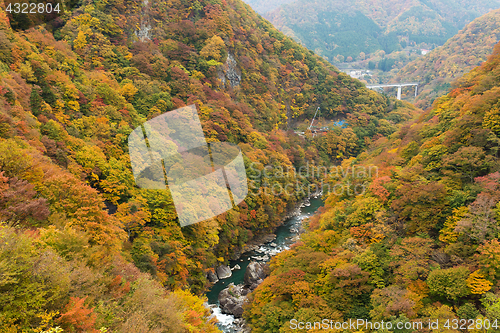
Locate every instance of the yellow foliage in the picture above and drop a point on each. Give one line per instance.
(415, 159)
(89, 21)
(448, 234)
(46, 107)
(393, 151)
(197, 75)
(128, 91)
(81, 40)
(62, 117)
(73, 105)
(47, 319)
(443, 104)
(213, 48)
(478, 284)
(491, 120)
(194, 314)
(27, 72)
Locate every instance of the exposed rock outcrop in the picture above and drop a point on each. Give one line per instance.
(233, 297)
(241, 326)
(255, 243)
(212, 277)
(223, 272)
(144, 31)
(254, 275)
(229, 73)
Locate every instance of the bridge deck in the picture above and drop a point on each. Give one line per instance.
(391, 85)
(399, 85)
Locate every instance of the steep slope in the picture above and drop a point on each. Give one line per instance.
(467, 49)
(347, 28)
(85, 244)
(420, 242)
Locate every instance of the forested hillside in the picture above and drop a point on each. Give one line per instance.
(464, 51)
(341, 29)
(421, 243)
(85, 249)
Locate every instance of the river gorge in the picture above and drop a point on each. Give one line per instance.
(286, 235)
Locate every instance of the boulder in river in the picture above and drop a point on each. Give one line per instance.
(255, 243)
(223, 272)
(254, 275)
(264, 257)
(241, 326)
(236, 267)
(232, 298)
(212, 277)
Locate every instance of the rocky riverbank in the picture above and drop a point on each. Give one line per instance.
(230, 294)
(232, 298)
(260, 240)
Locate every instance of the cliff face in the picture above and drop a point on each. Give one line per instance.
(229, 74)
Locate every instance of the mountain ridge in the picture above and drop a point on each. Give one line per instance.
(432, 22)
(469, 48)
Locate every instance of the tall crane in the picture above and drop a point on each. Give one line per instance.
(314, 118)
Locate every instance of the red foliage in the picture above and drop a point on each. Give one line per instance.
(117, 289)
(178, 103)
(491, 184)
(362, 233)
(379, 190)
(78, 316)
(18, 201)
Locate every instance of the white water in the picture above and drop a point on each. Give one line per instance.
(226, 322)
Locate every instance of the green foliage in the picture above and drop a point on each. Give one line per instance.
(467, 311)
(369, 262)
(97, 82)
(32, 280)
(491, 303)
(84, 231)
(450, 283)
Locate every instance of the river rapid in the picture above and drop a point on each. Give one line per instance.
(286, 235)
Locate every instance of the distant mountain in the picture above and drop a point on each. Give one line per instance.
(265, 6)
(335, 28)
(467, 49)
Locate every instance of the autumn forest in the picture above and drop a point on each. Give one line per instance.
(84, 249)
